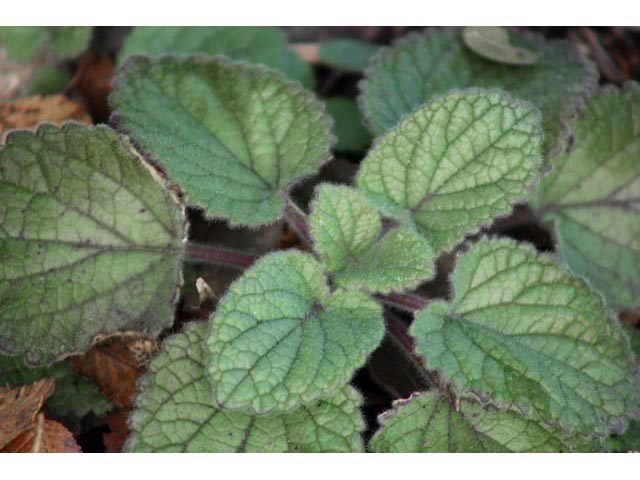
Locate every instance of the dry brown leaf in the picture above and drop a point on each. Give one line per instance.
(28, 112)
(19, 406)
(115, 365)
(117, 422)
(44, 436)
(93, 82)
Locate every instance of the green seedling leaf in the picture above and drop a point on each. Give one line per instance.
(279, 339)
(420, 67)
(592, 195)
(347, 54)
(89, 242)
(455, 164)
(175, 412)
(494, 43)
(427, 423)
(348, 236)
(265, 45)
(523, 333)
(351, 133)
(73, 398)
(234, 136)
(24, 44)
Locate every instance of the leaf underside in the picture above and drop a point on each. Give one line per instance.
(523, 333)
(234, 136)
(427, 423)
(90, 242)
(592, 195)
(175, 412)
(279, 339)
(347, 234)
(455, 164)
(422, 66)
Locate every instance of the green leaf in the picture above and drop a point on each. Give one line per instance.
(629, 441)
(455, 164)
(494, 43)
(523, 333)
(89, 242)
(349, 238)
(265, 45)
(592, 195)
(352, 136)
(23, 44)
(427, 423)
(347, 54)
(70, 41)
(175, 412)
(47, 81)
(74, 396)
(279, 339)
(232, 135)
(419, 67)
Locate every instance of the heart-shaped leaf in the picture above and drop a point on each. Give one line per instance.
(422, 66)
(592, 195)
(427, 423)
(90, 242)
(279, 339)
(523, 333)
(175, 412)
(232, 135)
(455, 164)
(347, 234)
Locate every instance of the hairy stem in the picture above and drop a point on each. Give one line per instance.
(297, 220)
(210, 254)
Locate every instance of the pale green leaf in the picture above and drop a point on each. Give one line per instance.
(455, 164)
(24, 44)
(346, 54)
(421, 66)
(349, 238)
(265, 45)
(175, 412)
(89, 242)
(523, 333)
(427, 423)
(74, 396)
(494, 43)
(232, 135)
(592, 195)
(70, 41)
(351, 133)
(280, 339)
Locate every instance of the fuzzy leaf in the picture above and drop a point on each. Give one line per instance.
(347, 235)
(89, 241)
(521, 332)
(175, 412)
(455, 164)
(279, 339)
(419, 67)
(347, 54)
(352, 136)
(426, 423)
(234, 136)
(73, 398)
(494, 43)
(592, 194)
(265, 45)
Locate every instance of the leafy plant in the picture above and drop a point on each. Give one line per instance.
(525, 354)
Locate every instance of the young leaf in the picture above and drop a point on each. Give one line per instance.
(43, 436)
(494, 43)
(73, 398)
(592, 194)
(420, 67)
(89, 241)
(347, 54)
(455, 164)
(233, 135)
(351, 133)
(523, 333)
(279, 339)
(427, 423)
(265, 45)
(176, 413)
(347, 235)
